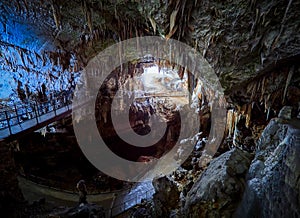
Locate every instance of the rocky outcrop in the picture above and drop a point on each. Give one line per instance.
(218, 190)
(285, 113)
(166, 197)
(273, 182)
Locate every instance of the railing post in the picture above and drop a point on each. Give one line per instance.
(36, 114)
(7, 119)
(112, 204)
(37, 107)
(54, 108)
(16, 110)
(27, 114)
(68, 105)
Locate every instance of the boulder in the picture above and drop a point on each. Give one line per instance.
(285, 113)
(166, 197)
(218, 190)
(273, 187)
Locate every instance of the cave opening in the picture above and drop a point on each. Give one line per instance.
(157, 90)
(151, 94)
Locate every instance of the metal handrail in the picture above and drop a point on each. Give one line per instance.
(33, 110)
(136, 199)
(115, 209)
(46, 183)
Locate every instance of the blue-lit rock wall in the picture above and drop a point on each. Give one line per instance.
(28, 57)
(32, 69)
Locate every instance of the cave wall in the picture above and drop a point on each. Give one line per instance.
(272, 183)
(242, 40)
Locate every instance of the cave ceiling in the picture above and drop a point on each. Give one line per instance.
(244, 41)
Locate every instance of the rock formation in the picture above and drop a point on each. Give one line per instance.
(218, 190)
(273, 187)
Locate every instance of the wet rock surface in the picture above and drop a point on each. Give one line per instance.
(218, 190)
(273, 188)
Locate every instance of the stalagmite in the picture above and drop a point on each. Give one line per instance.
(230, 123)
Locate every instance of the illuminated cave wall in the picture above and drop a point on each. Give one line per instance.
(28, 58)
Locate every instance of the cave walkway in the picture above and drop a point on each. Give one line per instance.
(114, 203)
(25, 118)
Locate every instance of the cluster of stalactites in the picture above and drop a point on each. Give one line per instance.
(30, 69)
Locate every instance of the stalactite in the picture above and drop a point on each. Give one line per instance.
(88, 14)
(17, 3)
(254, 91)
(75, 66)
(96, 35)
(29, 60)
(263, 86)
(230, 123)
(89, 19)
(287, 83)
(26, 5)
(268, 113)
(7, 62)
(44, 59)
(248, 115)
(37, 57)
(56, 14)
(276, 39)
(21, 56)
(138, 47)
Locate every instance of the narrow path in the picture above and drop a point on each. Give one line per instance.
(114, 203)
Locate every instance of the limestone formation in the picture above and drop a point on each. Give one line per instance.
(216, 193)
(166, 197)
(286, 113)
(273, 188)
